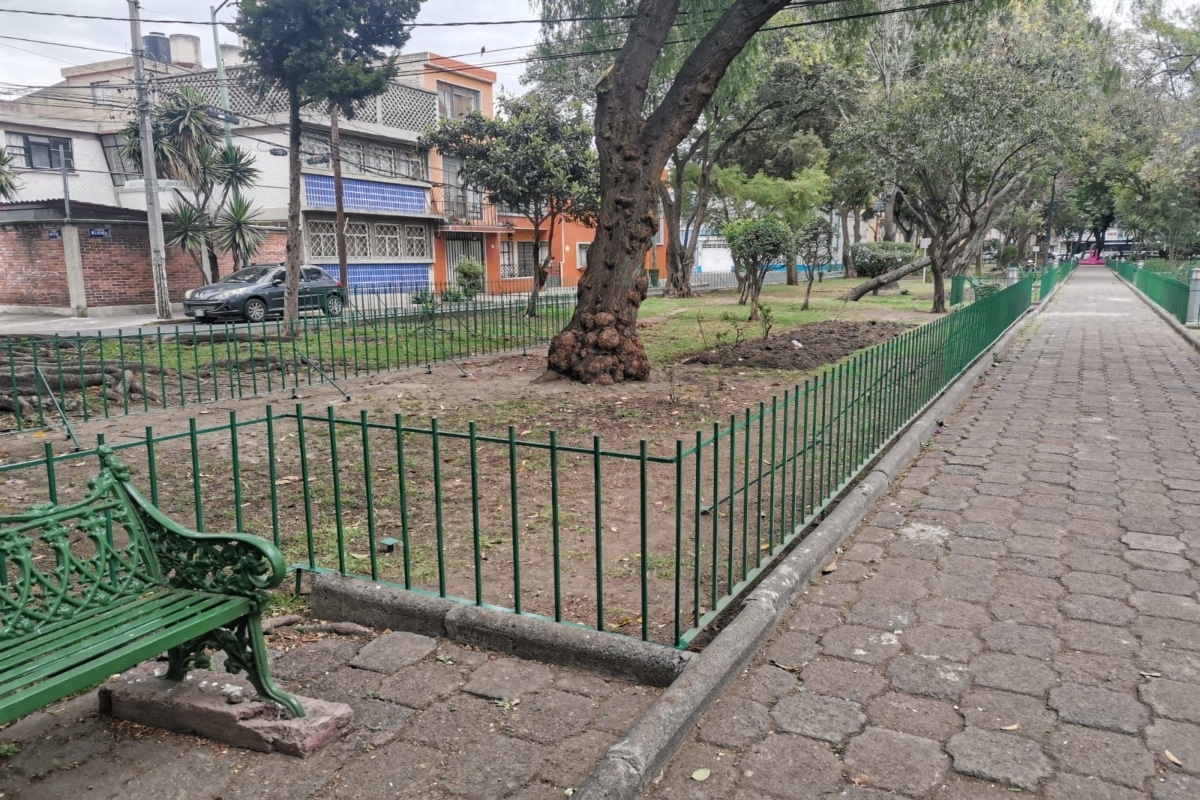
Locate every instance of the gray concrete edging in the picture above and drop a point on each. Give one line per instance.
(1179, 327)
(352, 600)
(640, 756)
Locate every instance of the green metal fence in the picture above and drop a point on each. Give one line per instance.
(50, 379)
(1052, 277)
(621, 539)
(1166, 292)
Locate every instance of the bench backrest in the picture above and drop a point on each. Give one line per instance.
(57, 561)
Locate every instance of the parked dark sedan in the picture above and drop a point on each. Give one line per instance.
(256, 292)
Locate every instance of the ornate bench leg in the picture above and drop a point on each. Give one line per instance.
(258, 672)
(245, 650)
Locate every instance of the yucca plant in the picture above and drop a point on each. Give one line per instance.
(237, 230)
(8, 180)
(189, 228)
(188, 148)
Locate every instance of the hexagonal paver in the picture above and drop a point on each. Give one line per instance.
(819, 717)
(998, 756)
(896, 761)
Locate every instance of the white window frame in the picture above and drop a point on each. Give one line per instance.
(389, 240)
(322, 239)
(358, 240)
(581, 254)
(416, 242)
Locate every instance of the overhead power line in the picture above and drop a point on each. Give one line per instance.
(457, 24)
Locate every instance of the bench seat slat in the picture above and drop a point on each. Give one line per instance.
(121, 618)
(57, 673)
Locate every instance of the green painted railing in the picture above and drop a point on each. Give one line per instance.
(1166, 292)
(98, 376)
(1052, 277)
(653, 545)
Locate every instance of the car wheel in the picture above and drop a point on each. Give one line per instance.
(333, 305)
(255, 310)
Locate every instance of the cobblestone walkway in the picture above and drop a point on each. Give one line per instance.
(432, 720)
(1020, 615)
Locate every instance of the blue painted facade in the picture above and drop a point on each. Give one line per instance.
(360, 195)
(389, 277)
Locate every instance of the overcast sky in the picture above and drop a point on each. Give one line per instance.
(26, 63)
(33, 64)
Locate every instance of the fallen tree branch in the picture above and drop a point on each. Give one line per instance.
(863, 289)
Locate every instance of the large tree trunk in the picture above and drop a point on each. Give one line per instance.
(600, 344)
(295, 244)
(792, 278)
(679, 270)
(213, 273)
(541, 266)
(847, 255)
(863, 289)
(939, 288)
(889, 211)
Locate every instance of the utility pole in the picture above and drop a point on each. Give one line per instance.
(158, 259)
(222, 87)
(335, 150)
(62, 166)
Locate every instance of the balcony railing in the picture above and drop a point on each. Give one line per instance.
(468, 213)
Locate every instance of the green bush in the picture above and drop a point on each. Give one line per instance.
(454, 294)
(1009, 255)
(425, 298)
(470, 278)
(1162, 266)
(872, 259)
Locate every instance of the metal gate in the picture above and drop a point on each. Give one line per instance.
(460, 247)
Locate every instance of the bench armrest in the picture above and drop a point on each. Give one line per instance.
(237, 564)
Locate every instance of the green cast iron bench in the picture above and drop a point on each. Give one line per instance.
(90, 589)
(982, 289)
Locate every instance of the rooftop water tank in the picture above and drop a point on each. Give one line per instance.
(157, 46)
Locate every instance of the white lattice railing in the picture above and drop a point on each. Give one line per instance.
(402, 107)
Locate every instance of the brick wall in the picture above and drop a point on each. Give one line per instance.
(32, 272)
(116, 271)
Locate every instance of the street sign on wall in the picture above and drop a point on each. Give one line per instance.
(99, 233)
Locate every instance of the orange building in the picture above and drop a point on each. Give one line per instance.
(471, 227)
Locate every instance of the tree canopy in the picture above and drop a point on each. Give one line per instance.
(333, 53)
(535, 158)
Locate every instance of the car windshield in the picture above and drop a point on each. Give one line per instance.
(249, 275)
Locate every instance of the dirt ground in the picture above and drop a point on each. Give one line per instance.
(804, 347)
(679, 403)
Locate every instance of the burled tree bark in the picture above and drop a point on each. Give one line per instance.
(600, 344)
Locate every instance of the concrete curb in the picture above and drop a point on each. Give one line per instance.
(352, 600)
(1179, 327)
(633, 762)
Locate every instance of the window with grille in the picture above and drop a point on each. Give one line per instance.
(353, 157)
(322, 239)
(358, 243)
(581, 253)
(387, 240)
(381, 160)
(524, 260)
(454, 101)
(316, 151)
(508, 261)
(416, 241)
(39, 152)
(411, 164)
